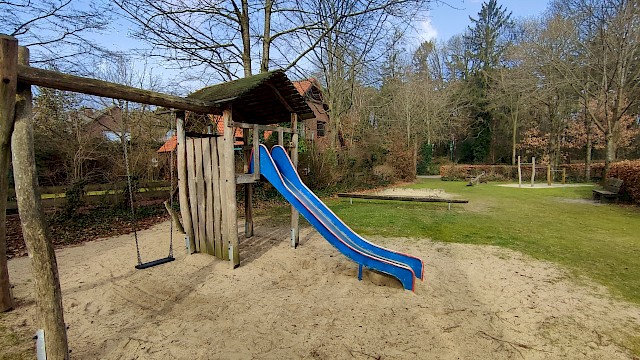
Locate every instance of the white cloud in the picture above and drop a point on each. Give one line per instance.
(426, 30)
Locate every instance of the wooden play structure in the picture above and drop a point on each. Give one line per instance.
(206, 161)
(206, 165)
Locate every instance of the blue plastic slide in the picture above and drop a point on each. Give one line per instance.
(279, 171)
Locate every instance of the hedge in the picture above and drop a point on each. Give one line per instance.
(575, 172)
(629, 173)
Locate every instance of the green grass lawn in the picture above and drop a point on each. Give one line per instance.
(601, 242)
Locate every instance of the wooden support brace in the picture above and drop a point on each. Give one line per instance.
(248, 189)
(295, 218)
(256, 153)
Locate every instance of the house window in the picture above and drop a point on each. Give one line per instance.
(321, 128)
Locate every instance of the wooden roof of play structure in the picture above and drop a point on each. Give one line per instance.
(266, 98)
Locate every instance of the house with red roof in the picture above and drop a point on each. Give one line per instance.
(315, 128)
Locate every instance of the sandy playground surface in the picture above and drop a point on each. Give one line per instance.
(477, 302)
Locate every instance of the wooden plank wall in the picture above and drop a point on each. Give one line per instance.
(208, 183)
(217, 204)
(193, 196)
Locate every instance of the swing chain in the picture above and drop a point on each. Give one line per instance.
(134, 222)
(171, 122)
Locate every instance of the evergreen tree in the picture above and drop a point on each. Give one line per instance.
(486, 41)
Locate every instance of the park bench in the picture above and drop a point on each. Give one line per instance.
(610, 190)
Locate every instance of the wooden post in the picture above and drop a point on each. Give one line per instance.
(280, 136)
(519, 173)
(564, 176)
(49, 311)
(295, 218)
(185, 209)
(256, 153)
(533, 171)
(228, 167)
(8, 88)
(548, 174)
(248, 188)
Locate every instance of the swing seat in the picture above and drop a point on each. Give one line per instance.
(155, 263)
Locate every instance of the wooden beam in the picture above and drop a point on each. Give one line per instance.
(60, 81)
(8, 88)
(261, 127)
(283, 101)
(248, 188)
(295, 217)
(401, 198)
(256, 153)
(49, 314)
(280, 136)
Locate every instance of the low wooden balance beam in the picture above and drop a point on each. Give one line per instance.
(403, 198)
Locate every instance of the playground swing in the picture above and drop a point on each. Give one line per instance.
(134, 223)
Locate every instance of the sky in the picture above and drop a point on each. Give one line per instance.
(446, 21)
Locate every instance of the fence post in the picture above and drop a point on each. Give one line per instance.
(533, 171)
(564, 176)
(519, 173)
(548, 174)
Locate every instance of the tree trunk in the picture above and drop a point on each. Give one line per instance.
(8, 86)
(514, 139)
(246, 38)
(266, 41)
(611, 152)
(587, 158)
(49, 310)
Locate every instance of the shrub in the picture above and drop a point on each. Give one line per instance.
(575, 172)
(629, 173)
(74, 197)
(492, 172)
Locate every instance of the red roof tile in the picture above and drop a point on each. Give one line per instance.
(303, 85)
(170, 145)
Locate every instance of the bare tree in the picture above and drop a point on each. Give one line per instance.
(599, 59)
(222, 36)
(351, 43)
(57, 32)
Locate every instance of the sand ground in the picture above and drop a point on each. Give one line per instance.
(477, 302)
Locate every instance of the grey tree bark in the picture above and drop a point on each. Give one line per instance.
(8, 86)
(49, 309)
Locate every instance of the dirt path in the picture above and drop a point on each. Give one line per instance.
(477, 302)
